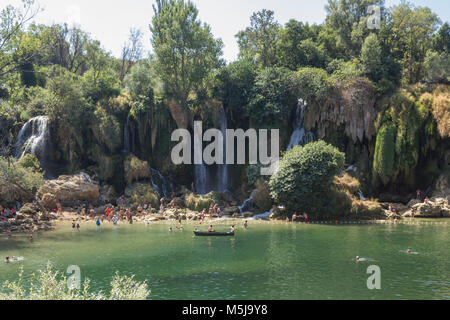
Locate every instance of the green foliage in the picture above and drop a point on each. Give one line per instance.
(19, 180)
(383, 163)
(297, 46)
(411, 30)
(437, 67)
(273, 96)
(141, 193)
(259, 40)
(199, 202)
(186, 51)
(313, 83)
(50, 284)
(253, 173)
(305, 175)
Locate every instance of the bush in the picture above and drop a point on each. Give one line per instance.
(305, 175)
(198, 202)
(19, 181)
(50, 284)
(141, 193)
(136, 169)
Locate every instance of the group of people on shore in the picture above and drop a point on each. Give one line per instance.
(7, 213)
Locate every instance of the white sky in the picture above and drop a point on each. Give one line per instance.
(110, 20)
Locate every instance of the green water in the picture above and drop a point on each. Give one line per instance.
(267, 261)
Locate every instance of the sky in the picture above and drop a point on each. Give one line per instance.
(110, 20)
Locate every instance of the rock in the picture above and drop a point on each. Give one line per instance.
(436, 207)
(68, 190)
(247, 214)
(107, 194)
(29, 209)
(442, 185)
(231, 210)
(413, 202)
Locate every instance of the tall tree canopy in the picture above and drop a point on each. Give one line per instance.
(186, 51)
(259, 40)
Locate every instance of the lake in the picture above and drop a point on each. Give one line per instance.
(268, 261)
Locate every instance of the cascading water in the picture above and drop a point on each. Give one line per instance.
(247, 206)
(263, 216)
(300, 136)
(200, 170)
(126, 136)
(161, 185)
(223, 168)
(34, 138)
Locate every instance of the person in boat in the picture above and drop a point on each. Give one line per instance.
(245, 224)
(232, 229)
(210, 228)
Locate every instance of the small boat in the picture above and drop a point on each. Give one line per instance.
(213, 234)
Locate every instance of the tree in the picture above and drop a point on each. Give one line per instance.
(305, 176)
(12, 23)
(273, 96)
(18, 180)
(131, 52)
(259, 40)
(186, 51)
(344, 19)
(412, 29)
(371, 57)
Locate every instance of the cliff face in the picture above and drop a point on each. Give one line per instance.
(351, 106)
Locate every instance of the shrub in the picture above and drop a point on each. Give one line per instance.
(305, 175)
(50, 284)
(136, 169)
(198, 202)
(141, 193)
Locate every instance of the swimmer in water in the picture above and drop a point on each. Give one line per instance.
(360, 259)
(31, 238)
(409, 251)
(7, 260)
(170, 229)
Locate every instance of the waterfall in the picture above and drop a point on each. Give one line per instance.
(200, 170)
(300, 136)
(361, 195)
(34, 138)
(223, 168)
(248, 204)
(263, 216)
(126, 136)
(163, 187)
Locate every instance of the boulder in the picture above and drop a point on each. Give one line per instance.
(435, 208)
(107, 194)
(231, 210)
(29, 209)
(68, 190)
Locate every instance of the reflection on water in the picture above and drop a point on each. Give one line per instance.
(266, 261)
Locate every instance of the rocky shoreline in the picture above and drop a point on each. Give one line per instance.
(71, 193)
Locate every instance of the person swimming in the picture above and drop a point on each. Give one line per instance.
(409, 251)
(361, 259)
(7, 260)
(170, 229)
